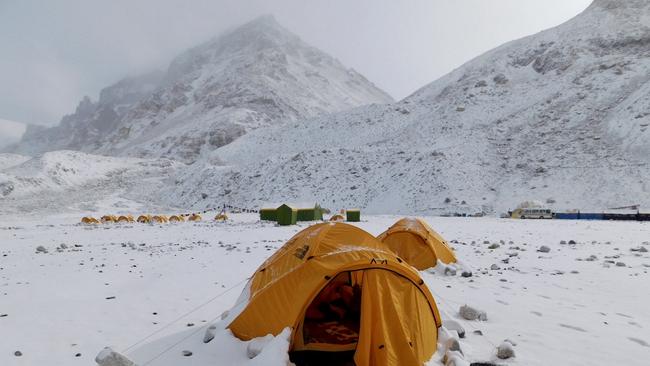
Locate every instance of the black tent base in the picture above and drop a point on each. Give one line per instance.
(318, 358)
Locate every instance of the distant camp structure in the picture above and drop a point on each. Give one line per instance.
(176, 218)
(624, 213)
(286, 214)
(108, 219)
(363, 300)
(417, 243)
(194, 217)
(160, 219)
(89, 220)
(144, 219)
(221, 217)
(337, 217)
(125, 218)
(353, 215)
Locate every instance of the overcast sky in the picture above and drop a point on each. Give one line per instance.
(55, 52)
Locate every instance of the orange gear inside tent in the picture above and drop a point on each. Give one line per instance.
(417, 243)
(345, 295)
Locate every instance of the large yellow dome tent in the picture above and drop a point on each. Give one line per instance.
(394, 320)
(417, 243)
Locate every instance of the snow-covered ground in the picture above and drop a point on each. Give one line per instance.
(114, 285)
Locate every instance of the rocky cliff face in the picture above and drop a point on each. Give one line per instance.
(253, 76)
(561, 116)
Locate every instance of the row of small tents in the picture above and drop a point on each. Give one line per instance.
(149, 219)
(391, 319)
(289, 215)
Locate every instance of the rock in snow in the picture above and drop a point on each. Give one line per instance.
(469, 313)
(108, 357)
(544, 249)
(505, 351)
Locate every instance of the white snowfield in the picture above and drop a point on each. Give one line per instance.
(151, 291)
(561, 116)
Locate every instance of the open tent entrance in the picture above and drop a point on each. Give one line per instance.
(329, 331)
(359, 318)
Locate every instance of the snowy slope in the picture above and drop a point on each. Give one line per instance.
(10, 160)
(69, 180)
(253, 76)
(561, 116)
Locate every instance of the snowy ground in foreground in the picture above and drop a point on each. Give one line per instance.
(116, 284)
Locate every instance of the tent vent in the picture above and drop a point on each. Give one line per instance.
(381, 346)
(399, 259)
(328, 278)
(263, 269)
(310, 257)
(421, 282)
(411, 344)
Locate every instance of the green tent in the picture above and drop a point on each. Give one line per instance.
(310, 214)
(353, 215)
(268, 214)
(286, 215)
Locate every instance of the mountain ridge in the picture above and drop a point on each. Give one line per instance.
(252, 76)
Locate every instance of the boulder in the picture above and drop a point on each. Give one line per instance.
(469, 313)
(505, 351)
(108, 357)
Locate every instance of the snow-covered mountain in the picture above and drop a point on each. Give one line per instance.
(256, 75)
(561, 116)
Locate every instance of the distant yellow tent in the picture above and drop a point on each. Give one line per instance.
(221, 217)
(125, 218)
(391, 317)
(337, 217)
(417, 243)
(176, 218)
(109, 219)
(194, 217)
(144, 219)
(160, 219)
(89, 220)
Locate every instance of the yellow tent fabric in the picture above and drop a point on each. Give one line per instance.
(385, 331)
(89, 220)
(221, 217)
(417, 243)
(337, 218)
(144, 219)
(397, 308)
(176, 218)
(109, 218)
(160, 219)
(125, 218)
(194, 217)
